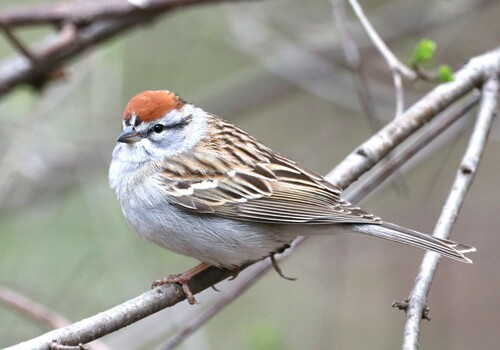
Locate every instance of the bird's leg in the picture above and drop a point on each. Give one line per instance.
(278, 269)
(183, 279)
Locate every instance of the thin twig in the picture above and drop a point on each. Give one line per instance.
(17, 43)
(398, 68)
(353, 59)
(393, 62)
(463, 180)
(398, 90)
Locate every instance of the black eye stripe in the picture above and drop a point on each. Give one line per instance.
(180, 124)
(159, 128)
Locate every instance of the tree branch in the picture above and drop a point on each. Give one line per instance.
(472, 75)
(29, 307)
(38, 312)
(398, 69)
(85, 12)
(418, 297)
(394, 63)
(431, 133)
(86, 24)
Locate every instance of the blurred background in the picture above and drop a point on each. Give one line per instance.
(276, 69)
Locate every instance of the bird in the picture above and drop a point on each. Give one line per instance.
(195, 184)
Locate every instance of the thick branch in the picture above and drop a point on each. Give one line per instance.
(463, 181)
(397, 160)
(103, 20)
(88, 11)
(124, 314)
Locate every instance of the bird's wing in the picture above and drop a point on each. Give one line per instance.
(271, 189)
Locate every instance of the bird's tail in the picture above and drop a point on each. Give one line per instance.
(413, 238)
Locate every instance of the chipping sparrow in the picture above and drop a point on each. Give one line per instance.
(199, 186)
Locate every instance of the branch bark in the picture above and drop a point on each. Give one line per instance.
(417, 302)
(84, 24)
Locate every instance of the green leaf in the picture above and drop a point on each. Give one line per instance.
(424, 51)
(445, 73)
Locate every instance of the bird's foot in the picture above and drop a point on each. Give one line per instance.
(183, 279)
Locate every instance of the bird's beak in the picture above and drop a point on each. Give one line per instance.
(129, 135)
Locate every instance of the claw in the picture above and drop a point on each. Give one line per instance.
(183, 279)
(278, 269)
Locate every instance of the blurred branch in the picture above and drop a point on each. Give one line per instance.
(319, 66)
(417, 302)
(81, 25)
(85, 12)
(398, 69)
(17, 159)
(16, 42)
(31, 308)
(38, 312)
(352, 57)
(94, 327)
(363, 158)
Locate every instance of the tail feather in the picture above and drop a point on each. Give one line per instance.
(413, 238)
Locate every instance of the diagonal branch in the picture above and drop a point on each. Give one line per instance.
(463, 180)
(91, 23)
(38, 312)
(430, 134)
(394, 63)
(472, 75)
(82, 12)
(16, 42)
(30, 307)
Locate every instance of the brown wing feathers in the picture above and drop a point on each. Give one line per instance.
(244, 184)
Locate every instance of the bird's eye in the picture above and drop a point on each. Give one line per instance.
(158, 128)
